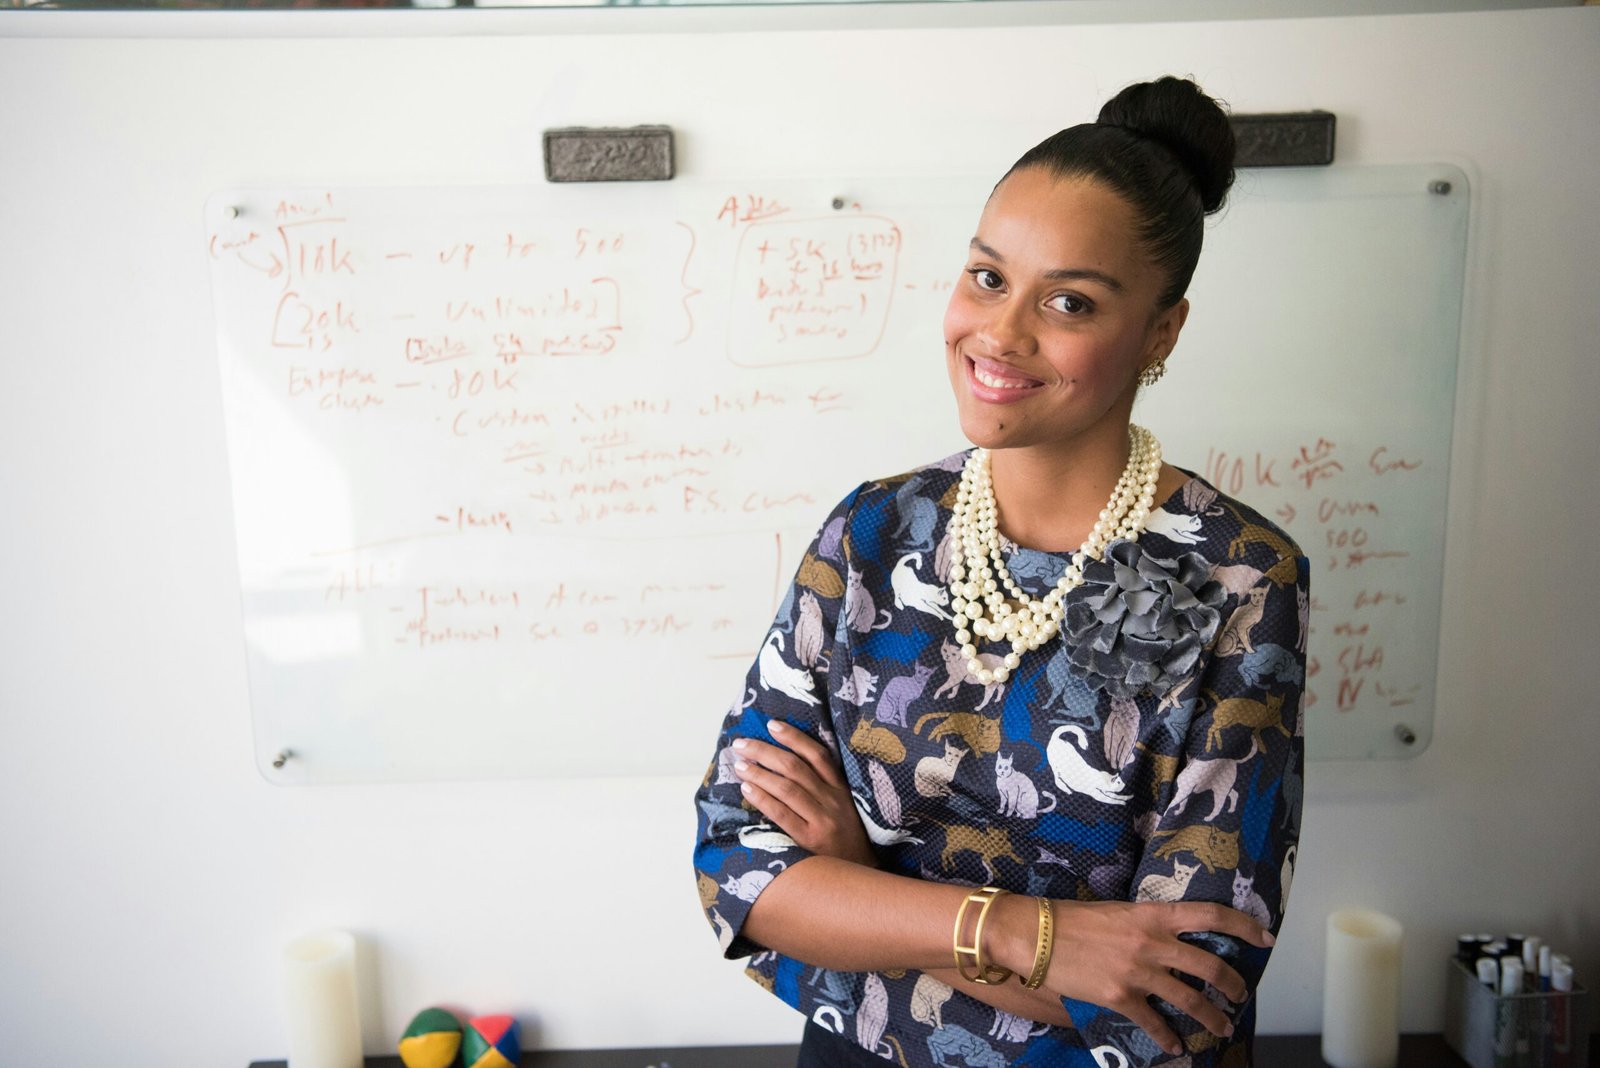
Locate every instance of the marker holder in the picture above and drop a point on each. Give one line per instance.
(1548, 1029)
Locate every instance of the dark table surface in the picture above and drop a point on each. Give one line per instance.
(1272, 1051)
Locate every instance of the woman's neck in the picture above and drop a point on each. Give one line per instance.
(1050, 497)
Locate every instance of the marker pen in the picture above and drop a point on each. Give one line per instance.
(1544, 967)
(1489, 973)
(1560, 1019)
(1536, 1013)
(1508, 1043)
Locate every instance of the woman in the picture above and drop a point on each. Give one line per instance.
(1081, 692)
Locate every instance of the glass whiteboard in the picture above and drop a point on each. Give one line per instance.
(510, 471)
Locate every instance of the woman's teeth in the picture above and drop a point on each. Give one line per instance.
(999, 383)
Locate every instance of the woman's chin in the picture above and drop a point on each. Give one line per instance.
(989, 430)
(1002, 425)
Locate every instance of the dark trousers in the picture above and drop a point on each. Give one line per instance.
(821, 1048)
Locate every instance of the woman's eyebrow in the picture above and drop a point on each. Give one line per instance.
(1060, 274)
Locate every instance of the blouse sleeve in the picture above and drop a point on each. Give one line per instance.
(1231, 824)
(737, 853)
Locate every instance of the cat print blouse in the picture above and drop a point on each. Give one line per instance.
(1100, 770)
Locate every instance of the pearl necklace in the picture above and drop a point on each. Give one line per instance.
(975, 585)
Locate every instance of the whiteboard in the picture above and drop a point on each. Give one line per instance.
(521, 473)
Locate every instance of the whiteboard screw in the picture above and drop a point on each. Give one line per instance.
(1439, 188)
(838, 203)
(282, 758)
(1406, 735)
(231, 211)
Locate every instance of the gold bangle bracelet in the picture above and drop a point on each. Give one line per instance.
(982, 970)
(1045, 946)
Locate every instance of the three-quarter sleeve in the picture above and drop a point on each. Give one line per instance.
(1230, 825)
(737, 852)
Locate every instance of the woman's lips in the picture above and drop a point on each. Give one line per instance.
(1015, 388)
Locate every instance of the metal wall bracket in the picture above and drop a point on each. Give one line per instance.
(604, 154)
(1290, 139)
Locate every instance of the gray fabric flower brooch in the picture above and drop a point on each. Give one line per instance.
(1139, 622)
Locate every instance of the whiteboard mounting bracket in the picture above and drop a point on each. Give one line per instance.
(604, 154)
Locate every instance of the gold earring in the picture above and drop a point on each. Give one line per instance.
(1152, 374)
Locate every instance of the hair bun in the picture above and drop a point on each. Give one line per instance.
(1178, 115)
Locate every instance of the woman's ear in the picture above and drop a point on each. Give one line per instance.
(1164, 331)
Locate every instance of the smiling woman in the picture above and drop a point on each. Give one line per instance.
(1054, 319)
(974, 744)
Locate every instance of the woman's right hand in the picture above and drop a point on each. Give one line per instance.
(1118, 953)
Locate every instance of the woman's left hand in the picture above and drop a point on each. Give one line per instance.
(803, 792)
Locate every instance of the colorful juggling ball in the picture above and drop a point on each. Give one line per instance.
(432, 1040)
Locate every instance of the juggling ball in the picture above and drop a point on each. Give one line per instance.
(432, 1040)
(491, 1042)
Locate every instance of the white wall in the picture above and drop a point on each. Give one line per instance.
(148, 876)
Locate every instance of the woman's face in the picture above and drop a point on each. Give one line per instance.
(1054, 315)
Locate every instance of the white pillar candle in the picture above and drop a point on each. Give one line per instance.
(1361, 990)
(320, 996)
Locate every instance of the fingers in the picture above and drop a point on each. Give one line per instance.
(775, 810)
(1203, 964)
(818, 817)
(1129, 954)
(799, 785)
(774, 772)
(813, 752)
(1192, 1003)
(786, 763)
(1210, 916)
(1181, 997)
(1141, 1012)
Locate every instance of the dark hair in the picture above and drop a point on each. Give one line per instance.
(1167, 149)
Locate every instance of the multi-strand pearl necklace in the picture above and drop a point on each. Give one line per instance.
(975, 585)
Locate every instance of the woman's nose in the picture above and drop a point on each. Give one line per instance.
(1008, 329)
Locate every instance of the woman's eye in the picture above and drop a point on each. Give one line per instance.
(1069, 303)
(985, 278)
